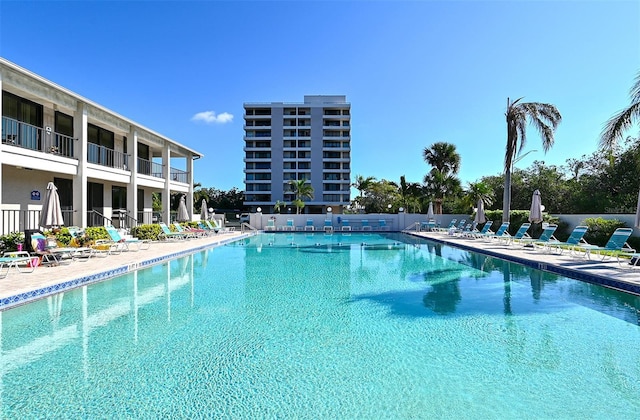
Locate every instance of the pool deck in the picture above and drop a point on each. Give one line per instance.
(608, 273)
(22, 287)
(19, 288)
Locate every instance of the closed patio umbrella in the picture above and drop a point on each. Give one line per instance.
(51, 214)
(480, 218)
(535, 214)
(183, 214)
(637, 223)
(430, 211)
(204, 214)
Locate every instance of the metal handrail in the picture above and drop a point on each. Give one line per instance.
(104, 156)
(27, 136)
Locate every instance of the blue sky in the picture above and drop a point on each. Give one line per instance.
(414, 72)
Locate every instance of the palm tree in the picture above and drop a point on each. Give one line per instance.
(441, 181)
(362, 184)
(544, 117)
(478, 191)
(302, 190)
(623, 120)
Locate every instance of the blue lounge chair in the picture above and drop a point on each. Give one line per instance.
(129, 244)
(452, 225)
(520, 235)
(615, 246)
(576, 238)
(21, 261)
(365, 225)
(382, 224)
(328, 227)
(428, 226)
(289, 225)
(345, 224)
(271, 225)
(498, 233)
(545, 237)
(485, 230)
(168, 234)
(309, 225)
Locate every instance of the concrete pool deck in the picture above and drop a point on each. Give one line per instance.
(19, 288)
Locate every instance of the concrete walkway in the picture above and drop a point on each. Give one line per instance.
(608, 273)
(22, 287)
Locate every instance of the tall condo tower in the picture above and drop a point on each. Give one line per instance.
(295, 141)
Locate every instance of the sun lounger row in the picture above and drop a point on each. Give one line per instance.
(342, 225)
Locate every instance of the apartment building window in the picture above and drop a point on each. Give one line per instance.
(263, 133)
(289, 165)
(304, 165)
(304, 155)
(102, 153)
(263, 144)
(258, 155)
(288, 176)
(332, 155)
(263, 165)
(331, 165)
(304, 143)
(304, 133)
(24, 111)
(289, 143)
(332, 197)
(289, 122)
(289, 133)
(331, 144)
(331, 187)
(304, 175)
(259, 177)
(289, 155)
(63, 141)
(331, 177)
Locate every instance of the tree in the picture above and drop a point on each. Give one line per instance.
(616, 126)
(478, 191)
(302, 190)
(362, 184)
(544, 117)
(441, 181)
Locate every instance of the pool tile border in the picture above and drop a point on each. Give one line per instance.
(26, 297)
(549, 267)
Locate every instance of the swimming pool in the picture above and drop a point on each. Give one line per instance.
(325, 326)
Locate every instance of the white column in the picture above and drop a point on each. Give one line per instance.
(190, 181)
(1, 136)
(80, 188)
(132, 190)
(166, 194)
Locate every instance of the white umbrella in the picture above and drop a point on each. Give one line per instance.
(480, 213)
(637, 224)
(51, 214)
(204, 214)
(183, 214)
(430, 211)
(535, 214)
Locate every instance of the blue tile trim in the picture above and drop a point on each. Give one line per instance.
(552, 268)
(26, 297)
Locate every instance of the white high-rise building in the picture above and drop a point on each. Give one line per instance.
(295, 141)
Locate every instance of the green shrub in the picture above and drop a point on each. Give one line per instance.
(600, 230)
(150, 231)
(9, 242)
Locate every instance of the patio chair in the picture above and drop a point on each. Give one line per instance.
(271, 225)
(129, 244)
(615, 247)
(382, 224)
(168, 234)
(452, 224)
(500, 233)
(345, 225)
(209, 230)
(575, 238)
(21, 261)
(289, 225)
(365, 225)
(328, 226)
(521, 234)
(188, 230)
(428, 226)
(309, 225)
(485, 230)
(545, 237)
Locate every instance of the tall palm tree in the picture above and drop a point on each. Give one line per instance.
(623, 120)
(478, 191)
(442, 156)
(303, 190)
(544, 117)
(441, 181)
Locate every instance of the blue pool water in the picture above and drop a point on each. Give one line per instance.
(325, 326)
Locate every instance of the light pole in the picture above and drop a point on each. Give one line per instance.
(519, 158)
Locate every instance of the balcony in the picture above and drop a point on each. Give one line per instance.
(103, 156)
(147, 167)
(19, 134)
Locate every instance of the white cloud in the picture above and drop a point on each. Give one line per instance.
(210, 117)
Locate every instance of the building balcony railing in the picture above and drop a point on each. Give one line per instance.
(147, 167)
(29, 136)
(179, 175)
(104, 156)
